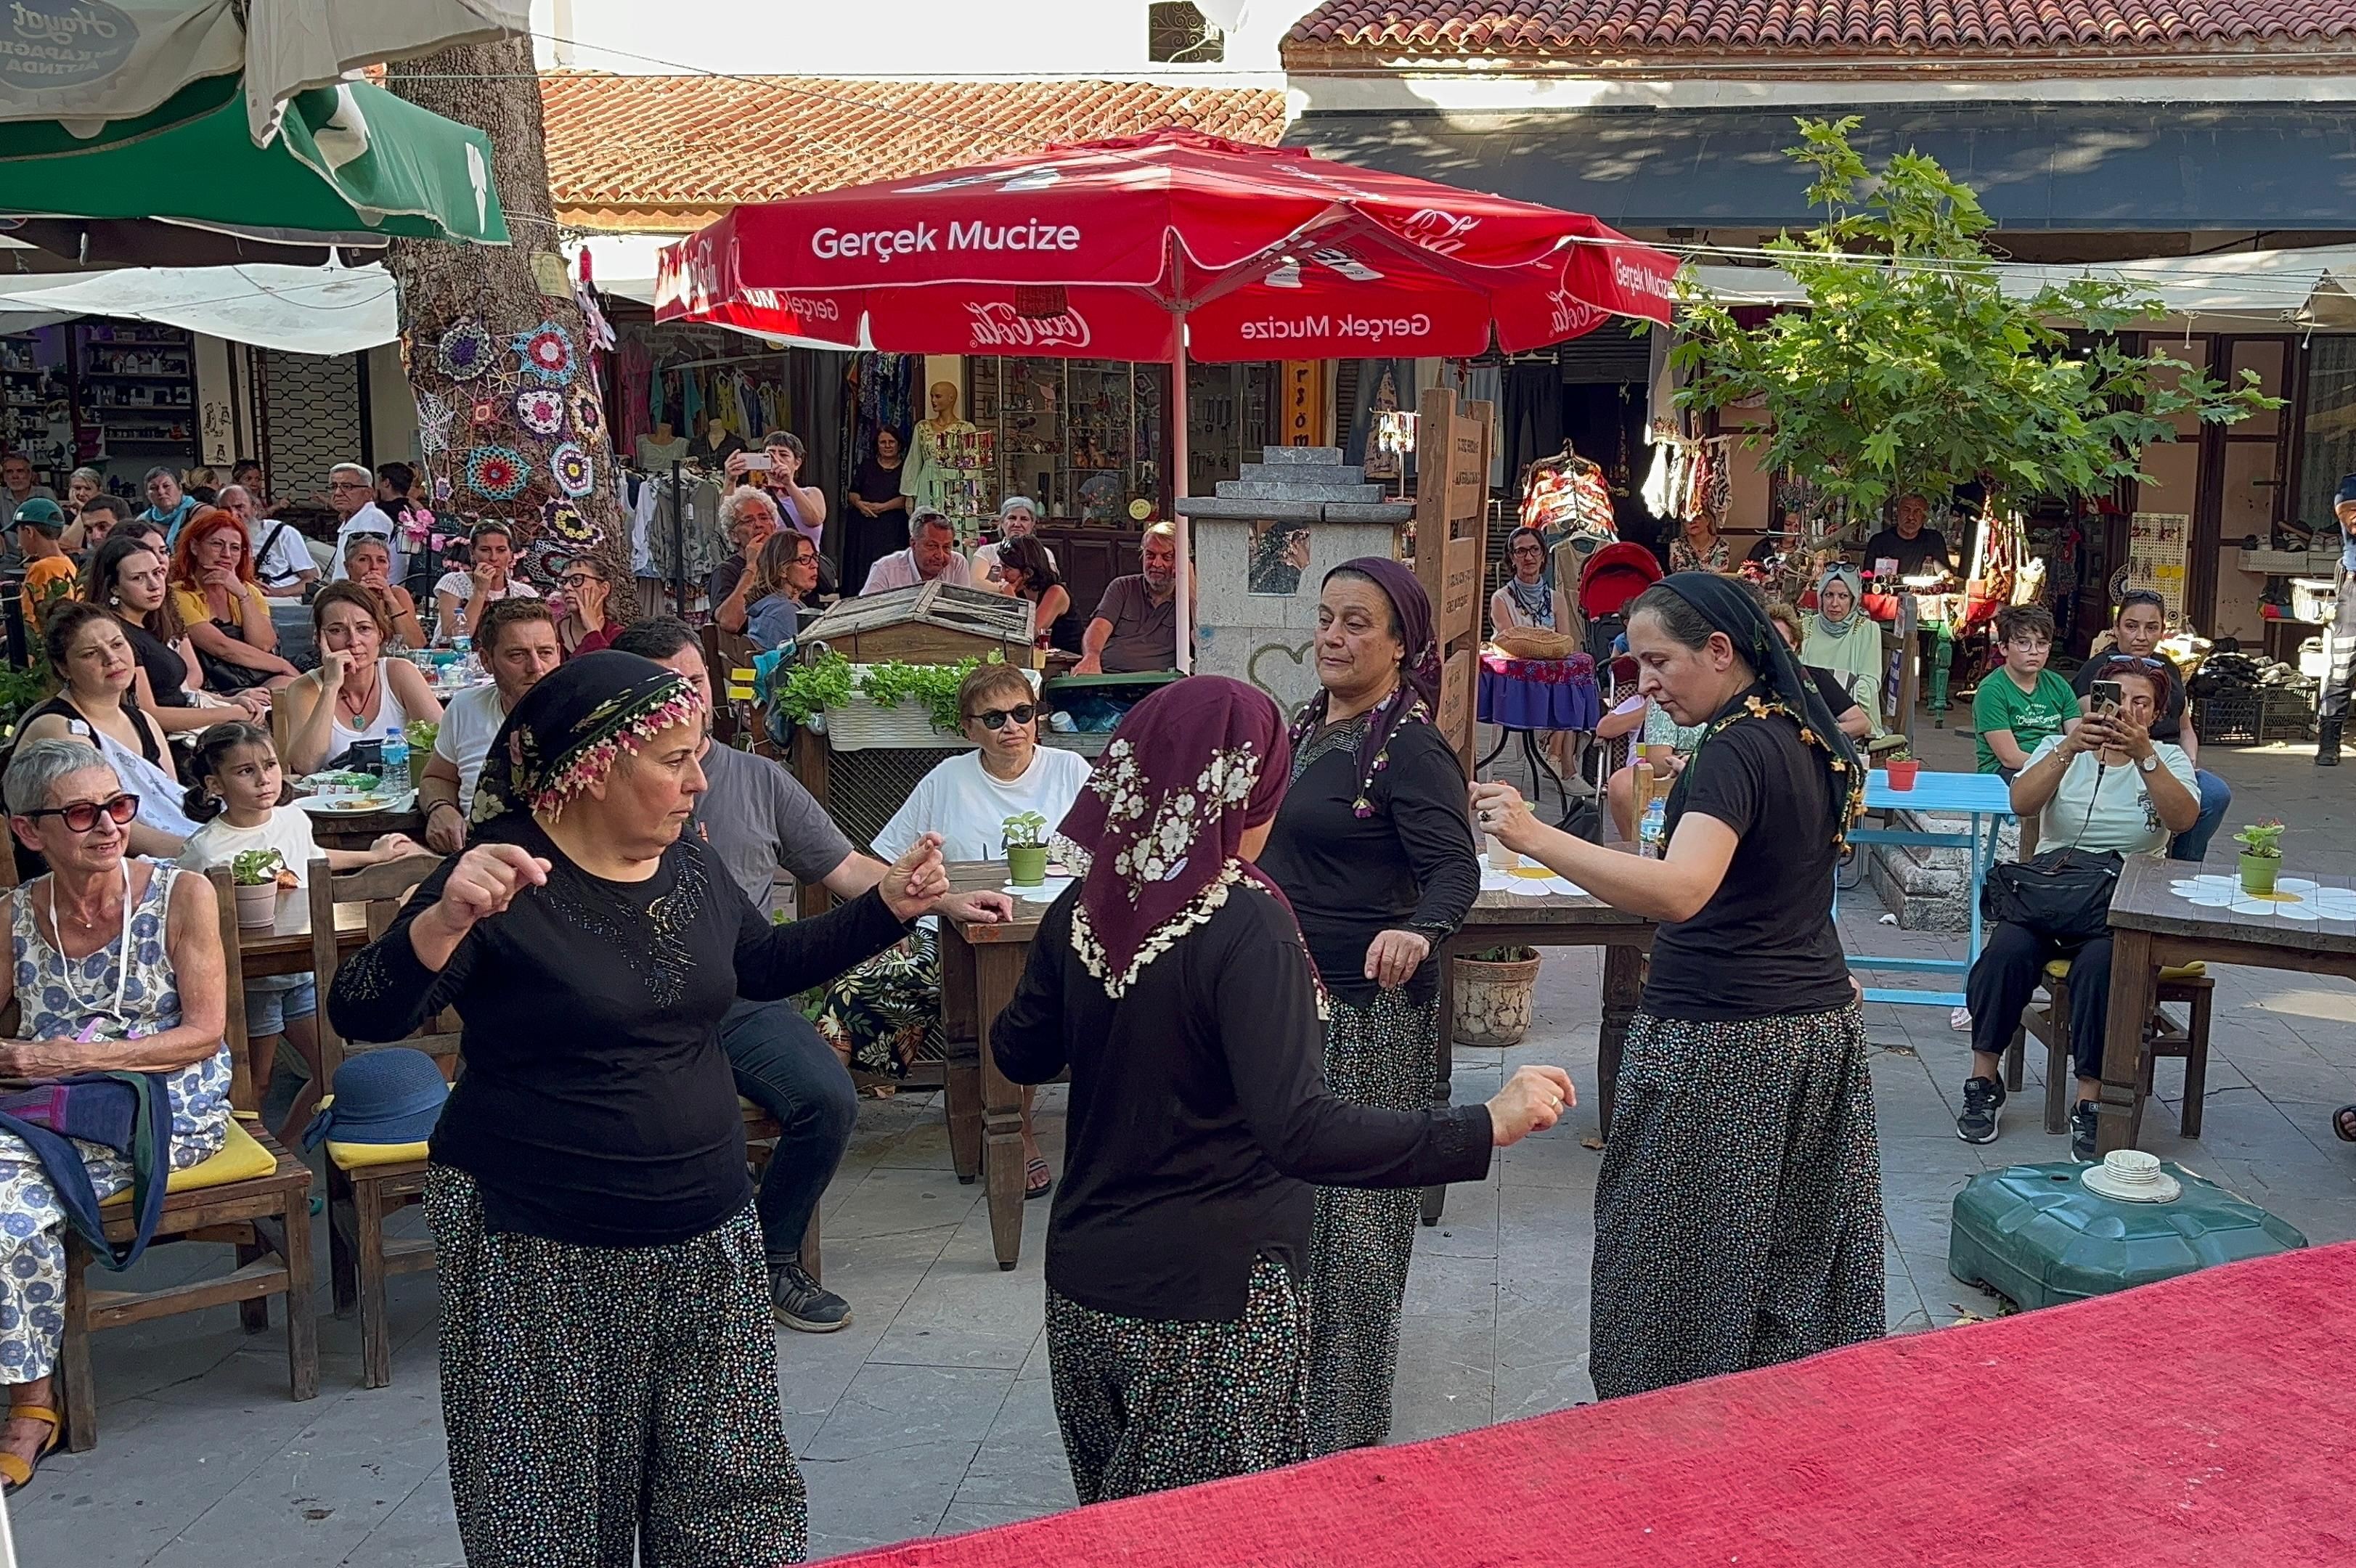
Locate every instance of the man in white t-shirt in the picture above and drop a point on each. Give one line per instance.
(282, 558)
(517, 645)
(932, 555)
(462, 598)
(351, 491)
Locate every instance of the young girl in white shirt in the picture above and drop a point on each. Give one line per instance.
(236, 800)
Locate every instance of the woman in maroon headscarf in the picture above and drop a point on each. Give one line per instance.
(1173, 982)
(1374, 848)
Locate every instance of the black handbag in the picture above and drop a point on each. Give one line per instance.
(2062, 895)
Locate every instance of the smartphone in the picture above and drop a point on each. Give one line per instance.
(2107, 697)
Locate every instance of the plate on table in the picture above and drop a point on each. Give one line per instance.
(363, 805)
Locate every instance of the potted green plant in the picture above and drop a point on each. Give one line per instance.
(2261, 844)
(420, 733)
(1492, 995)
(1026, 850)
(1904, 766)
(254, 873)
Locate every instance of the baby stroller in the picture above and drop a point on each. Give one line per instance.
(1608, 584)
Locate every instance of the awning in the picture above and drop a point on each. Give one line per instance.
(2068, 167)
(301, 310)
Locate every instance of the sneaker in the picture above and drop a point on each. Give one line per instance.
(800, 1301)
(2082, 1132)
(1983, 1099)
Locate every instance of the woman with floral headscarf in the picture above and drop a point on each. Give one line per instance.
(1171, 981)
(1375, 850)
(1738, 1215)
(608, 1365)
(1842, 638)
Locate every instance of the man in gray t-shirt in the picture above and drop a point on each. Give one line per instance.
(759, 820)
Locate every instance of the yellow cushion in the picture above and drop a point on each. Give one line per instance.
(240, 1159)
(359, 1157)
(2060, 969)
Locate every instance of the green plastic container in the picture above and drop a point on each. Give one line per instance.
(2035, 1235)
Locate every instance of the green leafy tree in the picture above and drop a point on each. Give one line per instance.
(1912, 371)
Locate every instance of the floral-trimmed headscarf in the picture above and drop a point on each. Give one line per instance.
(1416, 697)
(568, 730)
(1190, 769)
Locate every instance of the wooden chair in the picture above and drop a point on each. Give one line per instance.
(361, 1194)
(2163, 1037)
(252, 1195)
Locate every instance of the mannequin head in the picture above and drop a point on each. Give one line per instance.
(944, 400)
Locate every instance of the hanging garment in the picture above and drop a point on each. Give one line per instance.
(1657, 481)
(1532, 413)
(633, 376)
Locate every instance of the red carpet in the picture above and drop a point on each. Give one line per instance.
(2210, 1420)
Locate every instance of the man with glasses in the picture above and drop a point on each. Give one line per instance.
(2142, 623)
(760, 822)
(2340, 640)
(352, 492)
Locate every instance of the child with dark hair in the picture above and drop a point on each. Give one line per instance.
(2021, 702)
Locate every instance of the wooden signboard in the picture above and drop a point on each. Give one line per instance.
(1304, 402)
(1452, 543)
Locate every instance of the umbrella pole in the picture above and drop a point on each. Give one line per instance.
(1178, 491)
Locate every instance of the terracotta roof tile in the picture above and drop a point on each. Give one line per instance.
(674, 152)
(1539, 30)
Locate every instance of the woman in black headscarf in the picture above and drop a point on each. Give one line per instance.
(1737, 1218)
(609, 1366)
(1375, 850)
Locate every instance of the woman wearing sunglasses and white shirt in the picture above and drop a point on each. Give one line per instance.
(882, 1012)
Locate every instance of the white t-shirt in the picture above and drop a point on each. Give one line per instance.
(2124, 820)
(460, 585)
(985, 564)
(288, 831)
(281, 555)
(959, 801)
(469, 724)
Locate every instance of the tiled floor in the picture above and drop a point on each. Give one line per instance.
(931, 1412)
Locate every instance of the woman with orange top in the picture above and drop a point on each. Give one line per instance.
(226, 613)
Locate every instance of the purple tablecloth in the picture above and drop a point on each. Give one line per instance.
(1539, 693)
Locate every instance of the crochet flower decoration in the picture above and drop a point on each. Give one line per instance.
(540, 410)
(496, 472)
(547, 354)
(588, 419)
(485, 412)
(562, 520)
(434, 419)
(466, 351)
(576, 474)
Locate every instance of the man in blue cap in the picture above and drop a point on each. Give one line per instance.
(2339, 642)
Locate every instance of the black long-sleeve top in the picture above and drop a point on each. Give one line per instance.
(596, 1107)
(1199, 1114)
(1412, 866)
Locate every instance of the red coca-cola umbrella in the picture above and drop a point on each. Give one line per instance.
(1164, 247)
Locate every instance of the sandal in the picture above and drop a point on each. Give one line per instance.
(2343, 1122)
(1037, 1180)
(15, 1471)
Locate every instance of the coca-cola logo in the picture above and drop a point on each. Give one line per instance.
(1569, 315)
(702, 274)
(1442, 233)
(997, 325)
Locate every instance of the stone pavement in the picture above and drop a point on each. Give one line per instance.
(931, 1411)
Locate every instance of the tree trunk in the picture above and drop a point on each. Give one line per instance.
(499, 457)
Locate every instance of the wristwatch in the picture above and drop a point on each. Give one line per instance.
(2149, 765)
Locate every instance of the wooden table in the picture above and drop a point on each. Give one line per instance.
(981, 965)
(1515, 920)
(2152, 927)
(344, 830)
(285, 947)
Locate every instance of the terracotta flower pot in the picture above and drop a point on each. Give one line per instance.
(1026, 864)
(1493, 1000)
(2258, 873)
(1902, 773)
(257, 906)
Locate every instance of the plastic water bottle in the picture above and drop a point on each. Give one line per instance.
(1654, 830)
(396, 758)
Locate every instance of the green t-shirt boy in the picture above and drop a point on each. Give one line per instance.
(2032, 715)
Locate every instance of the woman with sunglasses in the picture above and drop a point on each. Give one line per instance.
(116, 966)
(887, 1012)
(588, 585)
(98, 706)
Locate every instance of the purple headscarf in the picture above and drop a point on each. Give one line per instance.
(1417, 696)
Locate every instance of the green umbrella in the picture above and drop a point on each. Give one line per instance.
(350, 161)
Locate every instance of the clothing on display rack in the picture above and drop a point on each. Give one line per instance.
(705, 545)
(633, 372)
(1563, 496)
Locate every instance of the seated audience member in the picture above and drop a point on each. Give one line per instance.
(1028, 572)
(517, 645)
(460, 598)
(89, 649)
(281, 556)
(2020, 702)
(96, 519)
(370, 560)
(165, 1006)
(2142, 623)
(1841, 637)
(169, 508)
(1018, 517)
(1853, 719)
(882, 1014)
(2104, 785)
(1528, 599)
(749, 517)
(588, 584)
(1136, 623)
(227, 613)
(357, 694)
(128, 575)
(783, 585)
(932, 555)
(49, 569)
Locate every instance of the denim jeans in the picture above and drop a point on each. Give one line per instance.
(2216, 794)
(785, 1068)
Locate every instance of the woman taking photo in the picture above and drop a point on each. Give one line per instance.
(1528, 599)
(784, 583)
(368, 560)
(91, 651)
(1173, 982)
(1738, 1217)
(1027, 569)
(878, 523)
(227, 614)
(1842, 638)
(588, 587)
(1373, 850)
(356, 693)
(609, 1371)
